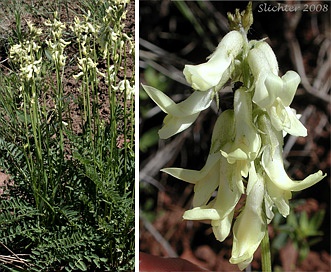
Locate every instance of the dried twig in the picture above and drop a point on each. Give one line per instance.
(159, 238)
(15, 259)
(163, 156)
(296, 56)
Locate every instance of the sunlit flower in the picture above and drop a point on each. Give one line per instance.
(124, 85)
(213, 175)
(247, 141)
(250, 226)
(272, 93)
(179, 116)
(279, 185)
(87, 65)
(262, 62)
(56, 44)
(272, 162)
(31, 70)
(281, 93)
(34, 31)
(216, 71)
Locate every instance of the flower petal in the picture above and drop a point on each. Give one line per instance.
(203, 77)
(182, 115)
(279, 196)
(196, 102)
(227, 196)
(201, 213)
(284, 87)
(262, 59)
(193, 176)
(278, 115)
(206, 180)
(207, 75)
(247, 141)
(223, 132)
(250, 226)
(291, 82)
(160, 98)
(173, 125)
(221, 228)
(296, 127)
(263, 62)
(274, 167)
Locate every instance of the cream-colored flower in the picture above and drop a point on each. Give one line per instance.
(34, 31)
(179, 116)
(272, 160)
(216, 71)
(124, 85)
(214, 175)
(279, 197)
(250, 226)
(32, 70)
(272, 93)
(281, 93)
(262, 62)
(247, 141)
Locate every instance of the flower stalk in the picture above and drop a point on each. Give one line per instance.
(265, 253)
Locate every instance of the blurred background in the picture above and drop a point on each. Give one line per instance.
(175, 33)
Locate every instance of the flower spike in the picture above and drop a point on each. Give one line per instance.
(245, 158)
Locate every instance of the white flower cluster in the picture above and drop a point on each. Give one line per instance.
(87, 66)
(56, 45)
(112, 42)
(27, 55)
(86, 34)
(125, 86)
(247, 143)
(111, 36)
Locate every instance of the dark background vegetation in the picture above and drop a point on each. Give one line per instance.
(175, 33)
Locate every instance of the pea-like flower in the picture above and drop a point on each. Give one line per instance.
(279, 184)
(217, 70)
(273, 165)
(281, 93)
(179, 116)
(262, 62)
(247, 141)
(32, 70)
(250, 226)
(124, 86)
(213, 175)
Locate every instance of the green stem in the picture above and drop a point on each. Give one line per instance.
(265, 251)
(59, 98)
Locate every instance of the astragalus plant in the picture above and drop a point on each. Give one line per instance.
(69, 149)
(245, 157)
